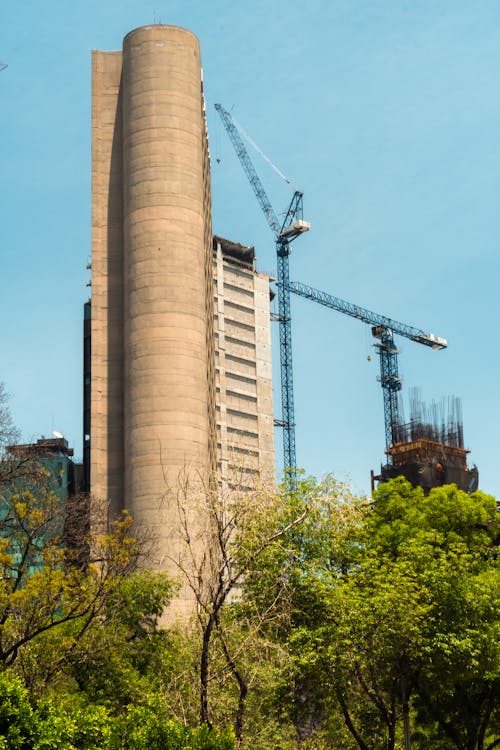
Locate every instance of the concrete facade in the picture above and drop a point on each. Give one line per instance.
(166, 414)
(106, 405)
(152, 360)
(245, 424)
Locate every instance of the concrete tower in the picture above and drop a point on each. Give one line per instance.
(152, 361)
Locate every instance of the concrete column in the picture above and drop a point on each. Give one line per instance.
(166, 401)
(106, 422)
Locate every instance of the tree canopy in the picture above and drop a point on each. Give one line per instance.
(397, 620)
(324, 621)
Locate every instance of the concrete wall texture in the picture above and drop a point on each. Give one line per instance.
(153, 340)
(151, 403)
(165, 326)
(107, 475)
(245, 424)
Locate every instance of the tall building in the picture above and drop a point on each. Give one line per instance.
(150, 416)
(244, 398)
(152, 399)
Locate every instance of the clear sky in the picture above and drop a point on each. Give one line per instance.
(386, 113)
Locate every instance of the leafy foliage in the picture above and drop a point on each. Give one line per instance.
(407, 611)
(47, 726)
(323, 621)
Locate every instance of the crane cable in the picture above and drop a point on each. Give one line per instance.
(262, 154)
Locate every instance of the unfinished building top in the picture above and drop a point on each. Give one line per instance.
(235, 250)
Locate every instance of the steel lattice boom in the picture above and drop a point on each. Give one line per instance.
(249, 168)
(372, 318)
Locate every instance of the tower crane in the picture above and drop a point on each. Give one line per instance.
(383, 329)
(284, 232)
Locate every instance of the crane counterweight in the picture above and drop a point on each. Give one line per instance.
(294, 230)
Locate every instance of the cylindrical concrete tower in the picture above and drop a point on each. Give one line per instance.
(165, 213)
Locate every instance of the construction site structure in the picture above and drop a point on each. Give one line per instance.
(449, 459)
(429, 449)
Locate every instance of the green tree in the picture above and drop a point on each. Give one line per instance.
(149, 726)
(393, 618)
(17, 724)
(47, 725)
(277, 597)
(49, 596)
(39, 587)
(241, 528)
(113, 660)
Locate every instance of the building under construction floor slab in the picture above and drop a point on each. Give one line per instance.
(429, 450)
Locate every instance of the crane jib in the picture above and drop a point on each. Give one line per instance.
(367, 316)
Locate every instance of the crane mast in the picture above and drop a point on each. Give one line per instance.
(284, 233)
(391, 384)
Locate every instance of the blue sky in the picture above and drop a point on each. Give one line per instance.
(385, 113)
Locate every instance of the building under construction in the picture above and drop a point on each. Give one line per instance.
(429, 449)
